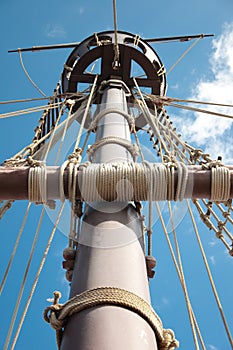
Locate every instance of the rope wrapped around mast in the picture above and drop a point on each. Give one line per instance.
(57, 314)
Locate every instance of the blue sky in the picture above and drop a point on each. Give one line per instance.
(205, 73)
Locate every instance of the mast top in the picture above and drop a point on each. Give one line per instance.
(99, 49)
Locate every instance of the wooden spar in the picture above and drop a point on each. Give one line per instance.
(14, 183)
(110, 254)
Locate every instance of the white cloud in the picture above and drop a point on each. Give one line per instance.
(214, 134)
(212, 347)
(212, 243)
(165, 301)
(55, 31)
(81, 10)
(212, 259)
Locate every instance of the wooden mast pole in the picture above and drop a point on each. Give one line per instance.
(110, 254)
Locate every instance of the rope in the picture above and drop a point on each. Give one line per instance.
(180, 274)
(14, 249)
(29, 110)
(26, 100)
(72, 103)
(131, 181)
(184, 54)
(72, 175)
(37, 276)
(181, 181)
(104, 83)
(37, 183)
(106, 111)
(20, 294)
(35, 144)
(192, 318)
(115, 140)
(53, 132)
(57, 315)
(6, 206)
(28, 76)
(151, 187)
(149, 117)
(200, 110)
(220, 184)
(166, 100)
(210, 275)
(85, 113)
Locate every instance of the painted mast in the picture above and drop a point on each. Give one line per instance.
(110, 250)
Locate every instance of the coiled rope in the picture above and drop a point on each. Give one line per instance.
(131, 181)
(57, 315)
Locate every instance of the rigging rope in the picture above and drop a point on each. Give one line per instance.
(192, 318)
(53, 132)
(28, 76)
(72, 103)
(29, 110)
(20, 293)
(14, 249)
(89, 101)
(179, 270)
(184, 54)
(37, 276)
(166, 100)
(210, 275)
(199, 110)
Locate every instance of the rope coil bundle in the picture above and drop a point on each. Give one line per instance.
(57, 314)
(131, 181)
(220, 184)
(37, 183)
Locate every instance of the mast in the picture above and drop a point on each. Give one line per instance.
(110, 250)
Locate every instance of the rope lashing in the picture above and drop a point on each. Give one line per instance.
(130, 181)
(100, 115)
(115, 140)
(57, 315)
(220, 181)
(104, 83)
(98, 42)
(37, 183)
(220, 184)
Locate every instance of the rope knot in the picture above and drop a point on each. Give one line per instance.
(34, 163)
(51, 313)
(195, 155)
(219, 234)
(169, 342)
(206, 221)
(76, 156)
(57, 315)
